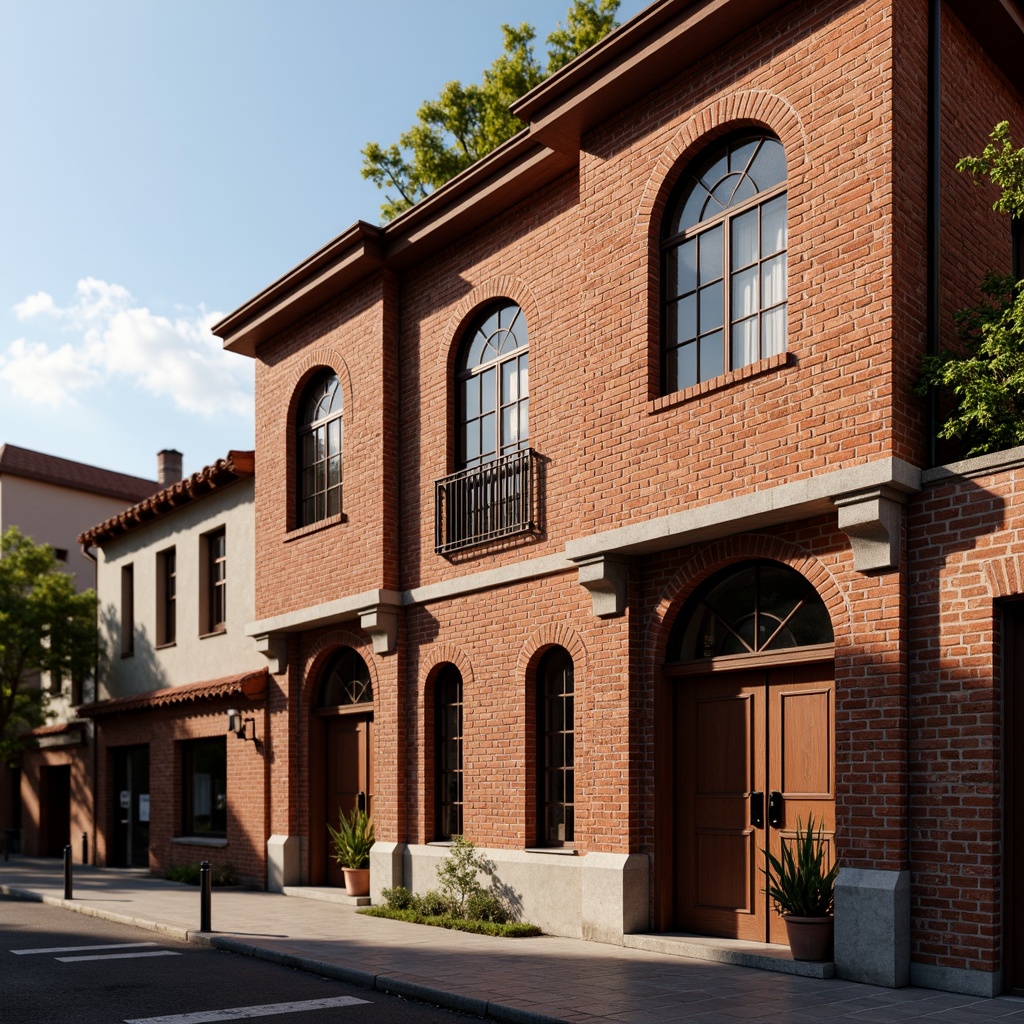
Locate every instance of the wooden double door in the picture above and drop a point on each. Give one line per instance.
(754, 756)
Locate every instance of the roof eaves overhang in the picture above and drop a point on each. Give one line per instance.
(648, 50)
(503, 177)
(999, 26)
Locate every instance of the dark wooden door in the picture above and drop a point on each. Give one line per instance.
(741, 737)
(348, 775)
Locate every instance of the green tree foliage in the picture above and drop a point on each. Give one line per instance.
(467, 121)
(45, 626)
(986, 374)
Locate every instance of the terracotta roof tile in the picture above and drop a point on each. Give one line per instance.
(50, 469)
(252, 685)
(220, 474)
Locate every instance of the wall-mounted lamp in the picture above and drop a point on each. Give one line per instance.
(238, 725)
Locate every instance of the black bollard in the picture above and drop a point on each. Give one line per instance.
(204, 897)
(67, 873)
(85, 848)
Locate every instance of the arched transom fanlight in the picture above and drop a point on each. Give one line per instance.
(755, 608)
(346, 681)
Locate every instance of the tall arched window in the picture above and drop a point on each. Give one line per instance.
(319, 448)
(556, 755)
(724, 242)
(493, 386)
(448, 752)
(490, 496)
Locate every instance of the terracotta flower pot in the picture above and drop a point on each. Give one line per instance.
(357, 881)
(810, 938)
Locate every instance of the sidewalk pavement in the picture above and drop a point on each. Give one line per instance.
(522, 981)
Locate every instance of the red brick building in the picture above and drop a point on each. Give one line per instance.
(594, 512)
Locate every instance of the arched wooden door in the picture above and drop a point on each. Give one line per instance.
(754, 743)
(341, 748)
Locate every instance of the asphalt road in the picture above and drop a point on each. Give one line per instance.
(50, 975)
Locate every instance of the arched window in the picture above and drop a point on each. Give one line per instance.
(448, 752)
(319, 448)
(346, 681)
(493, 386)
(556, 758)
(723, 246)
(755, 608)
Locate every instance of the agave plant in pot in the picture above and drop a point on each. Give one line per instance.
(802, 888)
(351, 842)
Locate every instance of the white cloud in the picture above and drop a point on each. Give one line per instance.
(116, 339)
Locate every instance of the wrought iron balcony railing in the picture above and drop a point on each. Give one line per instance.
(486, 502)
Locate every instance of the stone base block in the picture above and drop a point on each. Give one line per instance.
(873, 926)
(284, 862)
(386, 861)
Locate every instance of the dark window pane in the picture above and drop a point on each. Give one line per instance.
(712, 356)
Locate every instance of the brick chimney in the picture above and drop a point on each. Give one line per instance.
(168, 467)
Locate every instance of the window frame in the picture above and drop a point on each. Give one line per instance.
(189, 749)
(128, 610)
(502, 402)
(671, 246)
(448, 811)
(213, 583)
(167, 597)
(556, 662)
(315, 391)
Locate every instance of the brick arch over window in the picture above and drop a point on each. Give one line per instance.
(461, 319)
(1004, 576)
(728, 551)
(436, 658)
(542, 640)
(316, 359)
(753, 110)
(320, 653)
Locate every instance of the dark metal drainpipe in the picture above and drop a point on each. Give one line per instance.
(934, 174)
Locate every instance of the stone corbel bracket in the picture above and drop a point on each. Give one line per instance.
(273, 647)
(605, 577)
(381, 622)
(873, 520)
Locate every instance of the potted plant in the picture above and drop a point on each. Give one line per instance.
(352, 842)
(803, 891)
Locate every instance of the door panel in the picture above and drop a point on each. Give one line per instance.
(348, 774)
(739, 735)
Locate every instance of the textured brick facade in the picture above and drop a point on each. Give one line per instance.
(658, 492)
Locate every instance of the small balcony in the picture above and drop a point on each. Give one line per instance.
(486, 503)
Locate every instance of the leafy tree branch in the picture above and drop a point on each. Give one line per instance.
(466, 122)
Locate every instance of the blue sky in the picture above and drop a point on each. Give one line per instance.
(165, 160)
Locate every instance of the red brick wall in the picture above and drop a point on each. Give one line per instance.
(163, 730)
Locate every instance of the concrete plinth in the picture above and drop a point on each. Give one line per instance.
(873, 926)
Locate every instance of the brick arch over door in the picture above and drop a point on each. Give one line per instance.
(751, 109)
(718, 555)
(320, 653)
(668, 714)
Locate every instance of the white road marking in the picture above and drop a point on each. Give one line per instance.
(115, 956)
(79, 949)
(244, 1012)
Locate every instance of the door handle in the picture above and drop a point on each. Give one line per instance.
(775, 809)
(757, 810)
(361, 800)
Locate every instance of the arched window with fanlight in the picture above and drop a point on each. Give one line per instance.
(494, 399)
(491, 493)
(724, 276)
(319, 444)
(758, 608)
